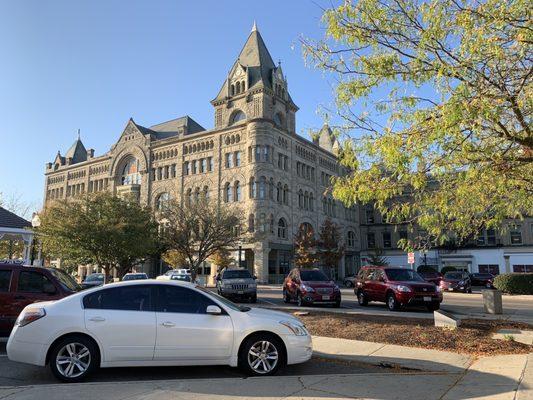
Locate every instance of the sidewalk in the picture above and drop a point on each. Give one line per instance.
(499, 377)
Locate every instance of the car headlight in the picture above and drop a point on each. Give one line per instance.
(461, 283)
(307, 288)
(403, 288)
(297, 328)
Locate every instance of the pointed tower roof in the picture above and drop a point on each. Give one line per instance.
(256, 59)
(77, 152)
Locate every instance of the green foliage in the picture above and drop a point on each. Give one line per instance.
(330, 244)
(174, 258)
(425, 268)
(222, 258)
(447, 269)
(514, 283)
(451, 147)
(101, 229)
(305, 248)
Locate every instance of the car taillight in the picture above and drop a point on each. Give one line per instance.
(29, 315)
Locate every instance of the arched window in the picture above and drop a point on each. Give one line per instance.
(197, 195)
(188, 197)
(243, 86)
(307, 227)
(262, 223)
(232, 90)
(300, 199)
(262, 187)
(306, 201)
(282, 229)
(286, 194)
(237, 191)
(279, 191)
(311, 202)
(238, 87)
(351, 239)
(251, 223)
(162, 201)
(237, 117)
(130, 173)
(228, 194)
(271, 189)
(278, 119)
(253, 188)
(271, 223)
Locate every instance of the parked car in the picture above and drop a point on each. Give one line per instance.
(458, 281)
(237, 284)
(482, 279)
(349, 281)
(144, 323)
(310, 286)
(21, 285)
(93, 280)
(132, 276)
(433, 277)
(396, 287)
(181, 274)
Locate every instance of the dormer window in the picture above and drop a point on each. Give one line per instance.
(278, 119)
(237, 117)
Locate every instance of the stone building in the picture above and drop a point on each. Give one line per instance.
(252, 158)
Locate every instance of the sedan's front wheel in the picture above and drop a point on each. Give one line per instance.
(73, 358)
(262, 355)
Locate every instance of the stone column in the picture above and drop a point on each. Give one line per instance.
(261, 262)
(342, 268)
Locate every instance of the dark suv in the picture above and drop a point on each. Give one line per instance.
(310, 286)
(20, 286)
(397, 287)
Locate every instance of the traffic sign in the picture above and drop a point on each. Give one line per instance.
(411, 258)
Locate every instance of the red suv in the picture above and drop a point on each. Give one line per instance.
(310, 286)
(20, 286)
(397, 287)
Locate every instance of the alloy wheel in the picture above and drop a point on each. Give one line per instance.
(263, 357)
(73, 360)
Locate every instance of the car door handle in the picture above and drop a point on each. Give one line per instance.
(97, 319)
(168, 324)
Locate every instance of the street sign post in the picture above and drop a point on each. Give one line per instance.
(411, 259)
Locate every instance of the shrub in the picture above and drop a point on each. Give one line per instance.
(447, 269)
(514, 283)
(425, 268)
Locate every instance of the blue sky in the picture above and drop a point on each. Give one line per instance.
(92, 65)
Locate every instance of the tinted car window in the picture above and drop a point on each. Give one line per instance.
(403, 275)
(185, 278)
(237, 274)
(5, 278)
(454, 275)
(32, 282)
(130, 298)
(177, 299)
(65, 280)
(316, 276)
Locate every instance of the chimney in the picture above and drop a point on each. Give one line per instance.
(90, 153)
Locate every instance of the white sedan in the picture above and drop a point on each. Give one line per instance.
(154, 323)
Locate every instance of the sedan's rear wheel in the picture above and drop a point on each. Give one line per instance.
(262, 354)
(73, 358)
(361, 298)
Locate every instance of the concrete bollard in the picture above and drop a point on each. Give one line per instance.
(492, 301)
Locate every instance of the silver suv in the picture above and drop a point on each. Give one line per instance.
(237, 283)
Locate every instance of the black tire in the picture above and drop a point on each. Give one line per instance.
(286, 298)
(301, 302)
(392, 303)
(253, 299)
(337, 304)
(433, 307)
(79, 342)
(469, 290)
(246, 359)
(362, 299)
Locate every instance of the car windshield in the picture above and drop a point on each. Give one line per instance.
(133, 277)
(400, 275)
(224, 301)
(313, 276)
(237, 274)
(430, 274)
(65, 280)
(185, 278)
(453, 275)
(95, 278)
(482, 275)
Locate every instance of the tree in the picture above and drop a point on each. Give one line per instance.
(199, 229)
(330, 244)
(451, 147)
(305, 248)
(16, 204)
(101, 229)
(377, 259)
(222, 258)
(174, 258)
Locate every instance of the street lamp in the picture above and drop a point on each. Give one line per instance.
(35, 223)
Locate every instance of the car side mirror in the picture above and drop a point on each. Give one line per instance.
(213, 310)
(48, 288)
